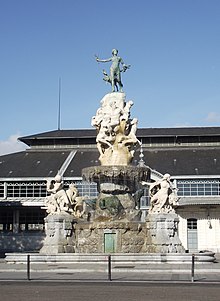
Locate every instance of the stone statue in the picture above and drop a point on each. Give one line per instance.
(162, 195)
(115, 72)
(58, 200)
(62, 200)
(116, 138)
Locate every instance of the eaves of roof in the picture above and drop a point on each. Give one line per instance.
(193, 201)
(22, 202)
(64, 134)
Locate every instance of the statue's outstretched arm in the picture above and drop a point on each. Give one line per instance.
(103, 61)
(144, 183)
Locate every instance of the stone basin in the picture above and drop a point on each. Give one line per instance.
(126, 176)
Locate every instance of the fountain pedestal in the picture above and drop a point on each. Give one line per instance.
(110, 237)
(162, 234)
(60, 237)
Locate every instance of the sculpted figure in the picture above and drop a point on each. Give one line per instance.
(72, 193)
(103, 139)
(159, 192)
(77, 203)
(60, 200)
(55, 185)
(116, 132)
(130, 140)
(97, 119)
(115, 115)
(115, 72)
(162, 195)
(131, 136)
(79, 207)
(126, 111)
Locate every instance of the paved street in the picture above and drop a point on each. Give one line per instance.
(110, 291)
(70, 275)
(153, 282)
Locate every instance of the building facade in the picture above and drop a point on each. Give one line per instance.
(189, 155)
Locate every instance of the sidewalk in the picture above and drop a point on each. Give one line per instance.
(160, 272)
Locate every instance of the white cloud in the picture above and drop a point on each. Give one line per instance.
(11, 145)
(213, 117)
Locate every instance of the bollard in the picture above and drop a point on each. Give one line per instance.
(109, 268)
(193, 268)
(28, 267)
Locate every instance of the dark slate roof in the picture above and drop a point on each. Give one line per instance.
(141, 132)
(179, 131)
(177, 162)
(81, 160)
(32, 164)
(184, 161)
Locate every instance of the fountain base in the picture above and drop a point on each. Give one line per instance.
(110, 237)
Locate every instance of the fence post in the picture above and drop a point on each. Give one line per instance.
(193, 268)
(109, 268)
(28, 267)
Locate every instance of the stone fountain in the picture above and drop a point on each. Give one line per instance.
(113, 223)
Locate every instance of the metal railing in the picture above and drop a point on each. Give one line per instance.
(109, 269)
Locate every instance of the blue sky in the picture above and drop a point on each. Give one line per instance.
(173, 47)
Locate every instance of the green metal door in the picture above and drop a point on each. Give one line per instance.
(109, 242)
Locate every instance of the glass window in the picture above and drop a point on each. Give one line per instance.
(203, 187)
(1, 189)
(26, 189)
(6, 219)
(192, 223)
(84, 188)
(38, 189)
(31, 219)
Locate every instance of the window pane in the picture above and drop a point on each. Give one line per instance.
(32, 219)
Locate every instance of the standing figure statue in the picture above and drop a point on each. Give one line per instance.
(163, 195)
(115, 72)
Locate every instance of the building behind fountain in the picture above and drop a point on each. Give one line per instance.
(113, 217)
